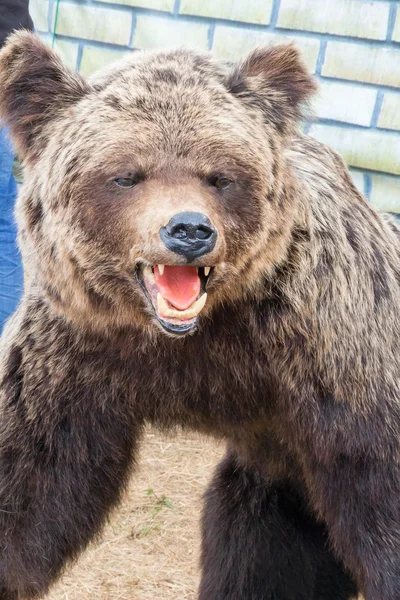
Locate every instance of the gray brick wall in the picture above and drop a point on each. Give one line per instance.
(352, 46)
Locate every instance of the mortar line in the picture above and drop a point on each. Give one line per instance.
(133, 28)
(321, 57)
(377, 108)
(391, 22)
(275, 13)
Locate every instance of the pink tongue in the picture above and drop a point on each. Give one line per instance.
(179, 285)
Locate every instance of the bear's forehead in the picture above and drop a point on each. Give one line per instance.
(167, 70)
(159, 96)
(165, 92)
(155, 108)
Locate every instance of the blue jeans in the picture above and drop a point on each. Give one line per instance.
(11, 273)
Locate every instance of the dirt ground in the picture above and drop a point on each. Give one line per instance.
(150, 549)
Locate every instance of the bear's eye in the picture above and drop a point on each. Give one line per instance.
(221, 183)
(126, 182)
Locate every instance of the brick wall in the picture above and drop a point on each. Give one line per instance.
(353, 47)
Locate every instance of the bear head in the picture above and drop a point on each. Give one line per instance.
(157, 190)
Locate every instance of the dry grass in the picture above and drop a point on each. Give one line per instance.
(150, 548)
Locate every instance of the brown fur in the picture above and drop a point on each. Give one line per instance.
(296, 358)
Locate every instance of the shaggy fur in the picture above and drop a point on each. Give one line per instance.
(296, 357)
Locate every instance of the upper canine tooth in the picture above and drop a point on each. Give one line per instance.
(161, 269)
(207, 270)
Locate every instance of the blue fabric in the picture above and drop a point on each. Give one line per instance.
(11, 273)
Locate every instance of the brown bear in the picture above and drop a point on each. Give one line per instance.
(193, 260)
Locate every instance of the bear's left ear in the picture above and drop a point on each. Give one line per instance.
(275, 80)
(35, 87)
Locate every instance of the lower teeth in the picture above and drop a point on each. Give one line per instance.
(165, 311)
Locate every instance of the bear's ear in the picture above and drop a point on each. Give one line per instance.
(275, 80)
(34, 87)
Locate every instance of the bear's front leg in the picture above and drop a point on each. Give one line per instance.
(68, 435)
(354, 485)
(260, 542)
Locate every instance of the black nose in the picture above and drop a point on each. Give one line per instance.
(189, 234)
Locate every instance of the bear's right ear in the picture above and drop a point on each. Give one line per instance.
(34, 87)
(274, 80)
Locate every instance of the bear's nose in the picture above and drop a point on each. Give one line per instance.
(189, 234)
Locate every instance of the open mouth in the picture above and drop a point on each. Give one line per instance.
(177, 294)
